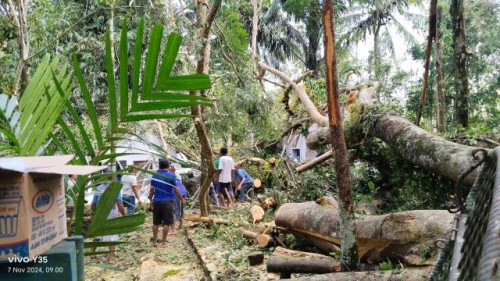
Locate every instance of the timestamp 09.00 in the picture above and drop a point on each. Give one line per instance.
(35, 269)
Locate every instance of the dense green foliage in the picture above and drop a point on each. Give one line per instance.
(289, 38)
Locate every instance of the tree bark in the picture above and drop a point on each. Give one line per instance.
(301, 93)
(255, 258)
(376, 51)
(461, 116)
(431, 36)
(441, 102)
(408, 274)
(349, 245)
(18, 14)
(395, 235)
(204, 24)
(414, 144)
(262, 240)
(301, 265)
(256, 4)
(314, 162)
(284, 252)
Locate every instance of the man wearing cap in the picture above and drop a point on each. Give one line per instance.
(244, 181)
(164, 190)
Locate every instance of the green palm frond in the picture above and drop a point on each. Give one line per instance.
(160, 88)
(403, 31)
(28, 125)
(100, 225)
(87, 97)
(387, 43)
(9, 121)
(152, 92)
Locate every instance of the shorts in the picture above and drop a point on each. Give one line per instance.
(225, 185)
(163, 213)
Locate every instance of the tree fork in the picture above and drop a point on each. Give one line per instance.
(204, 26)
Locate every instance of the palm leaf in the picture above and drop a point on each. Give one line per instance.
(100, 225)
(88, 102)
(110, 77)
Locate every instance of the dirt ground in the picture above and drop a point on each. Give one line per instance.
(196, 252)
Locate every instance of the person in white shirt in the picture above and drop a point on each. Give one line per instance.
(225, 170)
(130, 191)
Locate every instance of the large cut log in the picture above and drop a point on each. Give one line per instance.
(301, 265)
(421, 148)
(408, 274)
(262, 240)
(257, 213)
(394, 235)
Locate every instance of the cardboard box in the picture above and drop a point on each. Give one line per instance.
(32, 204)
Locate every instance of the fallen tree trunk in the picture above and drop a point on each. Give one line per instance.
(408, 274)
(301, 265)
(421, 148)
(379, 237)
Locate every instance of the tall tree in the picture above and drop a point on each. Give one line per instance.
(430, 37)
(257, 5)
(349, 245)
(18, 13)
(277, 38)
(376, 17)
(204, 24)
(461, 113)
(308, 11)
(441, 104)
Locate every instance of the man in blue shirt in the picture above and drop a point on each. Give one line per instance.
(164, 190)
(244, 182)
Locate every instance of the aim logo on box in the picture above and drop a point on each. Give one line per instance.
(42, 201)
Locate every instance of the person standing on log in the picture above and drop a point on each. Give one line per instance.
(225, 171)
(244, 182)
(164, 190)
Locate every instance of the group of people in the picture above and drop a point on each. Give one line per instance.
(168, 195)
(228, 175)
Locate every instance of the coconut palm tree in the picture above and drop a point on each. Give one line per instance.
(379, 18)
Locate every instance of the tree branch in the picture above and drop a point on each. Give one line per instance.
(315, 162)
(301, 93)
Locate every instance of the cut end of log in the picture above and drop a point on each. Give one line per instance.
(256, 258)
(257, 213)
